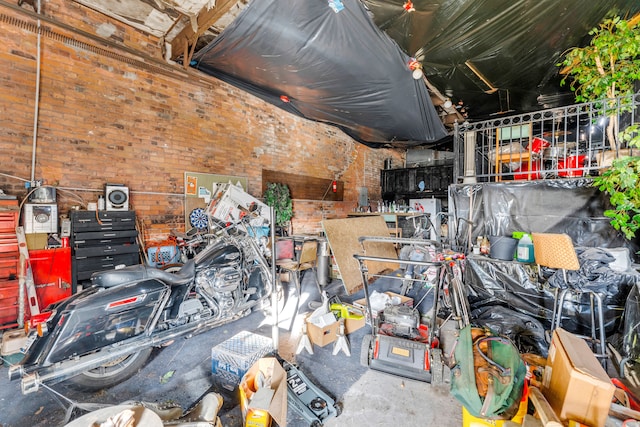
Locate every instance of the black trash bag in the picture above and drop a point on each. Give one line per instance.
(594, 275)
(630, 346)
(526, 332)
(522, 287)
(509, 284)
(594, 272)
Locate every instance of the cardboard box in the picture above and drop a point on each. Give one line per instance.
(324, 333)
(37, 240)
(259, 405)
(575, 384)
(231, 359)
(354, 317)
(352, 325)
(362, 303)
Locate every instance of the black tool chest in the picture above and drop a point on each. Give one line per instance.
(102, 240)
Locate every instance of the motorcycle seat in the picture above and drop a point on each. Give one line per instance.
(132, 273)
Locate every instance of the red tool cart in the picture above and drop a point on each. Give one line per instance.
(51, 274)
(9, 264)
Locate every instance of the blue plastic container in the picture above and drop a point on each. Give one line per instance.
(525, 249)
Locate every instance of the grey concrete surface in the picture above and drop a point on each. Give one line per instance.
(180, 374)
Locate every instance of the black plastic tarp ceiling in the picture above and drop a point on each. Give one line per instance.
(350, 68)
(495, 55)
(330, 66)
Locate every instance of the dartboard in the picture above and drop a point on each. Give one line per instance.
(198, 218)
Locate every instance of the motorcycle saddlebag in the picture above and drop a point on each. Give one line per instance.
(104, 317)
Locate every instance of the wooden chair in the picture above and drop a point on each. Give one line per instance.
(557, 251)
(296, 266)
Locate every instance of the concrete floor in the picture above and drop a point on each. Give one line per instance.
(368, 397)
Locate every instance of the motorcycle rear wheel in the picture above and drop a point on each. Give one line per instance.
(111, 373)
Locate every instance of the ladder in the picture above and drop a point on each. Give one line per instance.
(26, 277)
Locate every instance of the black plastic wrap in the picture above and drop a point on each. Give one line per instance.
(514, 44)
(333, 67)
(508, 283)
(525, 331)
(571, 206)
(631, 326)
(520, 287)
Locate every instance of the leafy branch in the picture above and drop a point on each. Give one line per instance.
(278, 196)
(608, 66)
(621, 183)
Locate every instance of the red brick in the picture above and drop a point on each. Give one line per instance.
(102, 120)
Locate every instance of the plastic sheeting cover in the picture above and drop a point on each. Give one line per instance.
(514, 44)
(571, 206)
(525, 331)
(333, 67)
(519, 286)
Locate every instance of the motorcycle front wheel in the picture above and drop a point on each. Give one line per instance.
(111, 373)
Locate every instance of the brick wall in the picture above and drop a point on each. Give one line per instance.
(106, 115)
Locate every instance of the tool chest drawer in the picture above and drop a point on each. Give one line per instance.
(93, 264)
(102, 240)
(103, 220)
(88, 237)
(8, 219)
(105, 242)
(98, 251)
(9, 298)
(9, 264)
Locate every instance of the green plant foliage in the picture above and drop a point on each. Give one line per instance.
(609, 65)
(277, 195)
(621, 183)
(604, 70)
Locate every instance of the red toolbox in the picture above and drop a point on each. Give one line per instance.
(51, 274)
(9, 264)
(9, 292)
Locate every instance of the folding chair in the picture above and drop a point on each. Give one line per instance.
(298, 264)
(557, 251)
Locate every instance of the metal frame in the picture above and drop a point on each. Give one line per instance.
(566, 129)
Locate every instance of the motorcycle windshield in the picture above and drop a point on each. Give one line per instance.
(106, 317)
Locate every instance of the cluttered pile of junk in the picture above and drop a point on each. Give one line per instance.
(91, 305)
(542, 290)
(541, 287)
(547, 271)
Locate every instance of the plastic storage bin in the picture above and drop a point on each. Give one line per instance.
(231, 359)
(160, 256)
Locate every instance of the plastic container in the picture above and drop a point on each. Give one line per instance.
(525, 249)
(502, 247)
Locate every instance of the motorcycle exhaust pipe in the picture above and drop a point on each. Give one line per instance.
(64, 370)
(30, 383)
(15, 372)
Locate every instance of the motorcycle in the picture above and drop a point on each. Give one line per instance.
(105, 333)
(191, 243)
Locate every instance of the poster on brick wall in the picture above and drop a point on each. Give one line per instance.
(198, 188)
